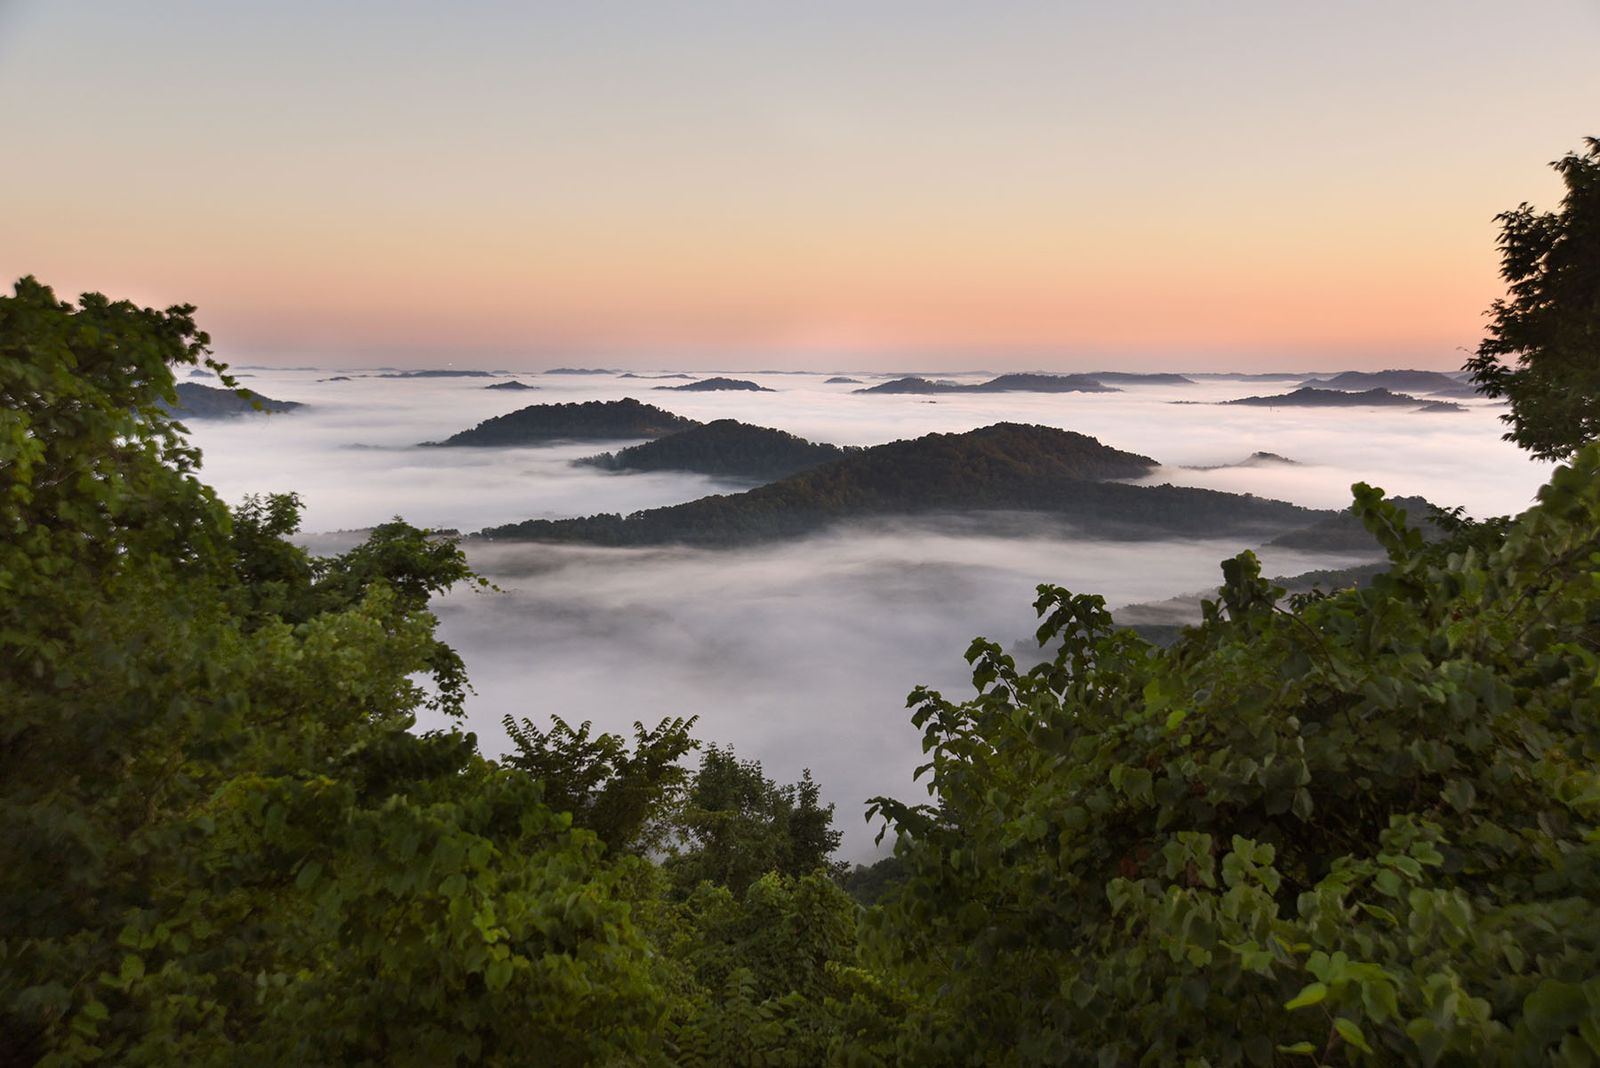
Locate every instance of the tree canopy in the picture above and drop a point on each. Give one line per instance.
(1543, 349)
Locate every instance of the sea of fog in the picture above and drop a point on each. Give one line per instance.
(799, 654)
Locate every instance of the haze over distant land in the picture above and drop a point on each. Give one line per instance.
(800, 651)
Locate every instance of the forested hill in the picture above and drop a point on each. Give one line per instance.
(1012, 383)
(725, 447)
(196, 401)
(1002, 467)
(1311, 397)
(592, 420)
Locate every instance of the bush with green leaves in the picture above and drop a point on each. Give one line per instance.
(1361, 828)
(224, 843)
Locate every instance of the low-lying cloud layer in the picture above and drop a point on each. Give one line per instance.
(799, 654)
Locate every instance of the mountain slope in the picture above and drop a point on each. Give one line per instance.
(196, 401)
(590, 420)
(726, 448)
(1309, 397)
(1012, 383)
(1005, 467)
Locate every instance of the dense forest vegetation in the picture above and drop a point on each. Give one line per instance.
(1006, 466)
(725, 448)
(1357, 828)
(588, 420)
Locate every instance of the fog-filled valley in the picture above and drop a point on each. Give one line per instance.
(800, 652)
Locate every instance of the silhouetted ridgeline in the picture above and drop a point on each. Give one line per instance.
(1343, 531)
(1018, 383)
(725, 447)
(711, 385)
(1310, 397)
(1137, 378)
(1003, 467)
(1435, 383)
(209, 402)
(591, 420)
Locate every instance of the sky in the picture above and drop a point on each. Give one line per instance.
(920, 185)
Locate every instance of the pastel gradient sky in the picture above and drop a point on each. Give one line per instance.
(856, 184)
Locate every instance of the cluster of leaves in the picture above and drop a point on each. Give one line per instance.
(1363, 828)
(1543, 349)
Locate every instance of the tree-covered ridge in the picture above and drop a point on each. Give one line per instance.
(1312, 397)
(1006, 466)
(588, 420)
(1343, 531)
(726, 448)
(1429, 383)
(1011, 383)
(197, 401)
(716, 384)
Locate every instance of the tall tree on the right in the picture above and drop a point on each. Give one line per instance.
(1543, 349)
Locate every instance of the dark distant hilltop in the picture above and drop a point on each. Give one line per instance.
(196, 401)
(1005, 467)
(1014, 383)
(590, 420)
(1343, 531)
(725, 448)
(842, 380)
(513, 384)
(1434, 383)
(709, 385)
(446, 373)
(1134, 378)
(1308, 397)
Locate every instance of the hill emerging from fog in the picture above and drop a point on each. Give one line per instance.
(1434, 383)
(1343, 532)
(1141, 378)
(712, 385)
(1016, 383)
(1006, 467)
(196, 401)
(725, 448)
(589, 420)
(1310, 397)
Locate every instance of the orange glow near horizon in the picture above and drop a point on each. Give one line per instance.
(866, 187)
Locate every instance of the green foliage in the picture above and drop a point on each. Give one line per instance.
(630, 798)
(1360, 830)
(1543, 349)
(739, 825)
(224, 844)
